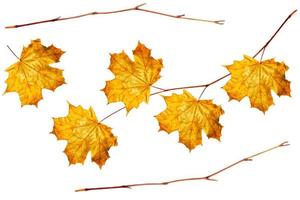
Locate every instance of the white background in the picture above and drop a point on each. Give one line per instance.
(33, 165)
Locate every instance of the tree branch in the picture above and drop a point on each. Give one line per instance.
(207, 178)
(161, 90)
(205, 86)
(135, 8)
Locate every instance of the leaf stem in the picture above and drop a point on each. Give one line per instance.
(135, 8)
(13, 52)
(112, 114)
(207, 178)
(202, 92)
(159, 88)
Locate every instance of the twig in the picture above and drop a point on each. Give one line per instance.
(191, 87)
(135, 8)
(215, 81)
(207, 178)
(269, 41)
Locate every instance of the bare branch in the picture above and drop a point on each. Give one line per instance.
(206, 178)
(135, 8)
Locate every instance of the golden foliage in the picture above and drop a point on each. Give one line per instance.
(32, 72)
(255, 79)
(189, 116)
(133, 79)
(84, 133)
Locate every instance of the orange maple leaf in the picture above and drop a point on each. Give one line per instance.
(255, 79)
(32, 73)
(133, 79)
(189, 116)
(84, 133)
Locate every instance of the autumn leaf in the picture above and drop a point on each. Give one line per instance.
(133, 79)
(255, 79)
(32, 72)
(189, 116)
(84, 133)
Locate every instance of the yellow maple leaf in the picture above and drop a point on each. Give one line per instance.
(189, 116)
(84, 133)
(133, 79)
(32, 73)
(255, 79)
